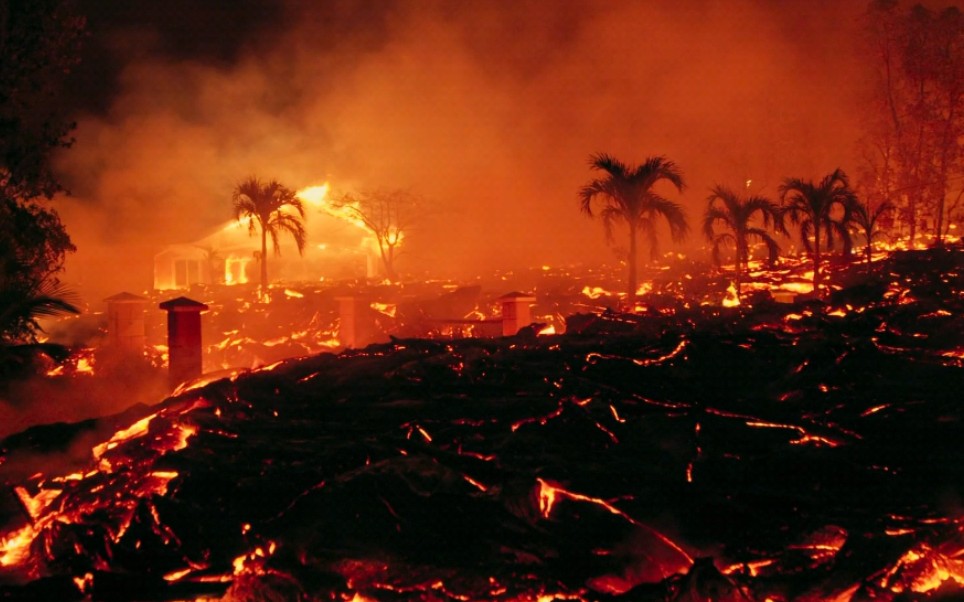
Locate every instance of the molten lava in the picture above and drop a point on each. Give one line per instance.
(783, 451)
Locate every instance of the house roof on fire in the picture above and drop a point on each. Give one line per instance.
(322, 232)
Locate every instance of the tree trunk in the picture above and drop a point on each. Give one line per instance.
(816, 259)
(631, 261)
(387, 252)
(264, 260)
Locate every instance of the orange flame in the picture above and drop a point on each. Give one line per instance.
(732, 297)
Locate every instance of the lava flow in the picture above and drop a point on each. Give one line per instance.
(766, 451)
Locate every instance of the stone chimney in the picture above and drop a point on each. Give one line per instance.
(125, 323)
(515, 312)
(183, 338)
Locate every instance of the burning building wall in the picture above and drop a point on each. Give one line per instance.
(335, 249)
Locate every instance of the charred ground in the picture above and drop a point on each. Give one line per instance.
(790, 451)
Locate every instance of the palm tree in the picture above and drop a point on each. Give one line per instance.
(268, 206)
(736, 215)
(20, 314)
(866, 218)
(822, 211)
(626, 194)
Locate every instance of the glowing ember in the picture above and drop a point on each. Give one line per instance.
(138, 429)
(596, 292)
(923, 569)
(15, 546)
(423, 468)
(732, 297)
(548, 494)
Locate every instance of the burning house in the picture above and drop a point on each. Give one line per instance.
(337, 248)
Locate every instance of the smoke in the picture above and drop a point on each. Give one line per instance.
(488, 110)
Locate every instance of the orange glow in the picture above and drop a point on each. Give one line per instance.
(676, 351)
(388, 309)
(596, 292)
(732, 297)
(36, 504)
(176, 575)
(315, 195)
(253, 561)
(138, 429)
(923, 569)
(548, 495)
(81, 362)
(475, 483)
(804, 436)
(318, 196)
(15, 547)
(85, 365)
(752, 567)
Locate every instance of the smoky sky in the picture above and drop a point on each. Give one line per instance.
(489, 110)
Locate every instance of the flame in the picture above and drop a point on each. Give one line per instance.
(81, 362)
(922, 569)
(596, 292)
(315, 195)
(253, 561)
(732, 297)
(36, 504)
(389, 309)
(318, 196)
(85, 365)
(15, 548)
(138, 429)
(176, 575)
(236, 270)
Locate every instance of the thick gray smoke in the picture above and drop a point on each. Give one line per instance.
(490, 110)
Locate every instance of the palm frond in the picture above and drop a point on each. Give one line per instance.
(773, 248)
(20, 311)
(722, 241)
(714, 216)
(659, 168)
(674, 215)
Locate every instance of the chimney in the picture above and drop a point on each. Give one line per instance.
(183, 338)
(515, 312)
(125, 323)
(347, 321)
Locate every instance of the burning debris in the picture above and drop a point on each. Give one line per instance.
(766, 451)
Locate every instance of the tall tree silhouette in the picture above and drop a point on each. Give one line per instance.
(626, 194)
(867, 219)
(40, 43)
(731, 220)
(271, 208)
(389, 214)
(822, 211)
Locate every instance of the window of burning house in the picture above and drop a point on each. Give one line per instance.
(236, 270)
(186, 272)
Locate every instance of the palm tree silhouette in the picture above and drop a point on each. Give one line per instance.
(866, 219)
(20, 312)
(626, 194)
(822, 208)
(736, 215)
(268, 206)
